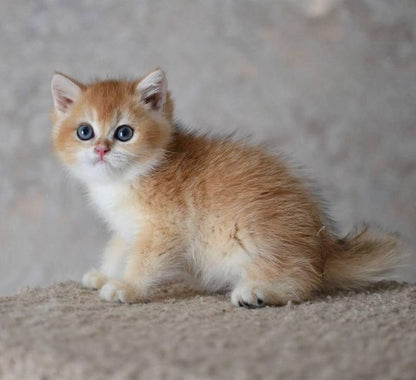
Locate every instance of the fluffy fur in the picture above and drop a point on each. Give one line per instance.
(226, 215)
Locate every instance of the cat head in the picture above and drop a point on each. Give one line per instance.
(111, 130)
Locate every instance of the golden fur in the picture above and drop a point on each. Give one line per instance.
(226, 215)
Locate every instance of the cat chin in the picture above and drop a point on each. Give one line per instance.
(99, 173)
(93, 173)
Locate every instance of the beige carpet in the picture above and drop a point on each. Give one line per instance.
(65, 332)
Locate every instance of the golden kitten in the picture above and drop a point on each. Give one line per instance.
(226, 215)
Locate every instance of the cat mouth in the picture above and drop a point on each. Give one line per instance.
(100, 161)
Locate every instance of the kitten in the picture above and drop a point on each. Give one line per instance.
(228, 216)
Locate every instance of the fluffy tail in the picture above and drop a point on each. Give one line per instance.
(360, 259)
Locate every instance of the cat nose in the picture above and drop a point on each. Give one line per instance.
(101, 150)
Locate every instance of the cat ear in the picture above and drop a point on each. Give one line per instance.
(64, 91)
(153, 89)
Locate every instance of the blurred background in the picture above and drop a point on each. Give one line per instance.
(331, 82)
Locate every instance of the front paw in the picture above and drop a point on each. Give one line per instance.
(93, 279)
(116, 291)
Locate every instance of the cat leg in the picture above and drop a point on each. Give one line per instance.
(151, 261)
(112, 265)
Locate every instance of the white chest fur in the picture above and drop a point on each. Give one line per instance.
(116, 205)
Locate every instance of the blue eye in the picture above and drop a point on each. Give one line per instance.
(85, 132)
(124, 133)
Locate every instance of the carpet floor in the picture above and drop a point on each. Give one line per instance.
(65, 332)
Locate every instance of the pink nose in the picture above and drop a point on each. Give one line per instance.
(101, 150)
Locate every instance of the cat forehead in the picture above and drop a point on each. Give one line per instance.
(105, 101)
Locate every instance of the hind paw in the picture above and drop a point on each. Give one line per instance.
(248, 297)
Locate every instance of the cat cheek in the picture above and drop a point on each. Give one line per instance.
(84, 157)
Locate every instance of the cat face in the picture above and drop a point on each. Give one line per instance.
(111, 130)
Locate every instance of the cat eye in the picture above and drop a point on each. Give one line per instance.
(124, 133)
(85, 132)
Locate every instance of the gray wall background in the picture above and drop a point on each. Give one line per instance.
(332, 82)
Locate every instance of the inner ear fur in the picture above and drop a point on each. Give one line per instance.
(65, 91)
